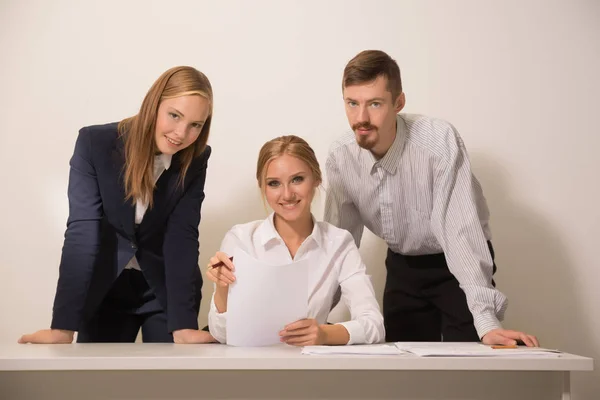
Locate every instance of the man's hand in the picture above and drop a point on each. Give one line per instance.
(507, 337)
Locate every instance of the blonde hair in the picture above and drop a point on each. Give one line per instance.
(291, 145)
(139, 131)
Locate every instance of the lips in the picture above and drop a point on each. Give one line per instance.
(289, 206)
(172, 141)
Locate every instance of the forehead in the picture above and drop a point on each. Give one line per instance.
(193, 106)
(368, 90)
(286, 165)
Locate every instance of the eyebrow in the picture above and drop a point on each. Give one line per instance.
(381, 99)
(180, 113)
(292, 176)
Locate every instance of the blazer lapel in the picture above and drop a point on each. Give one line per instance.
(165, 189)
(126, 208)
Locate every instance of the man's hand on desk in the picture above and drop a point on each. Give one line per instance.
(190, 336)
(509, 338)
(48, 336)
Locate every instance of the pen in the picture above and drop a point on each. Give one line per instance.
(501, 346)
(220, 264)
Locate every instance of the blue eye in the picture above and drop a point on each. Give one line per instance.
(173, 115)
(196, 125)
(298, 179)
(376, 104)
(273, 183)
(352, 104)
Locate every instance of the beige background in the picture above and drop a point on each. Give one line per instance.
(519, 79)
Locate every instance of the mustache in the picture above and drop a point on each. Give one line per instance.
(363, 125)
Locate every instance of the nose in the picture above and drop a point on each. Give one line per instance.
(362, 114)
(180, 131)
(288, 193)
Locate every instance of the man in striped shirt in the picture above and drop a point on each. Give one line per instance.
(407, 178)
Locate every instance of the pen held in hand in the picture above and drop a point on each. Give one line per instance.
(220, 264)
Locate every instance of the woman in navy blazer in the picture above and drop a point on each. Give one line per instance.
(130, 254)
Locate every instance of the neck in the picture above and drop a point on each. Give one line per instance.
(294, 232)
(385, 142)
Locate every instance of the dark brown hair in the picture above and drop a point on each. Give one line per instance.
(367, 65)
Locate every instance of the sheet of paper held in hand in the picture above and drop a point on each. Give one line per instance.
(263, 299)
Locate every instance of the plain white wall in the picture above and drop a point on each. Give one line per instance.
(519, 79)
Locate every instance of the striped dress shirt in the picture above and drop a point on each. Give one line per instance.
(421, 198)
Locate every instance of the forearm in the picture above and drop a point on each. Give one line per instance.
(79, 255)
(335, 334)
(180, 251)
(220, 297)
(217, 322)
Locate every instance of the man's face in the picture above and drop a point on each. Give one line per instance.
(371, 112)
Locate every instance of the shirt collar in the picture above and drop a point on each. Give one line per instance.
(163, 160)
(268, 232)
(390, 161)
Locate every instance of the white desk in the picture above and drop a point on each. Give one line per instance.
(167, 371)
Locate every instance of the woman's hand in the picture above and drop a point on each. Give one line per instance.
(188, 336)
(220, 270)
(48, 336)
(304, 332)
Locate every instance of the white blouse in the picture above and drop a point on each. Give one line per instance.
(339, 264)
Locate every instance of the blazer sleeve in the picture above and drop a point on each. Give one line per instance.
(180, 250)
(82, 237)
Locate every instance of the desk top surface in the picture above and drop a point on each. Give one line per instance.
(161, 356)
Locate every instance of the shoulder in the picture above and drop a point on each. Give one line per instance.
(100, 136)
(334, 236)
(434, 135)
(241, 236)
(244, 231)
(201, 161)
(345, 144)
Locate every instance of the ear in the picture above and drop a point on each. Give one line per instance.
(316, 186)
(400, 102)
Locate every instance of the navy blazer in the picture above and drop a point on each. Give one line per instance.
(101, 235)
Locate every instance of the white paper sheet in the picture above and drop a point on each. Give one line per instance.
(364, 349)
(448, 349)
(263, 299)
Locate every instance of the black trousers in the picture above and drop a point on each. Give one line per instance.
(129, 306)
(422, 301)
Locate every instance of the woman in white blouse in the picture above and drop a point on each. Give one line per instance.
(288, 175)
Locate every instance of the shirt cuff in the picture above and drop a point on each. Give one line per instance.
(355, 331)
(485, 323)
(217, 322)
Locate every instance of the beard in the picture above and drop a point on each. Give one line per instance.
(369, 141)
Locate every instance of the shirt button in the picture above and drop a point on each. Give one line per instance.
(134, 246)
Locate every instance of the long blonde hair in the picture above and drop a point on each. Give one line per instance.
(139, 131)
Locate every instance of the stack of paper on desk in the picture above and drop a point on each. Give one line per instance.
(370, 349)
(264, 299)
(447, 349)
